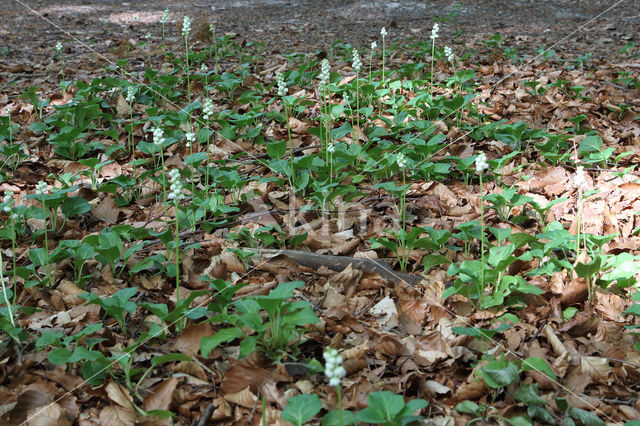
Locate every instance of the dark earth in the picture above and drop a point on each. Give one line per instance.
(30, 29)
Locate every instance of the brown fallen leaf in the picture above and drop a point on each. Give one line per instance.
(160, 396)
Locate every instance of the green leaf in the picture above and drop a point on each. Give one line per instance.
(161, 359)
(207, 344)
(301, 409)
(529, 394)
(587, 418)
(276, 150)
(332, 418)
(431, 260)
(498, 377)
(468, 407)
(59, 356)
(382, 406)
(589, 144)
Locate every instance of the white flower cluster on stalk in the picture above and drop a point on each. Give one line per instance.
(383, 32)
(186, 26)
(374, 45)
(176, 186)
(8, 205)
(347, 99)
(448, 53)
(59, 46)
(580, 179)
(434, 31)
(42, 188)
(333, 366)
(191, 138)
(331, 148)
(401, 161)
(357, 64)
(204, 68)
(207, 109)
(282, 86)
(8, 201)
(130, 94)
(324, 72)
(481, 163)
(165, 17)
(158, 136)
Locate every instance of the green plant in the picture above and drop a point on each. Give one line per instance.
(300, 409)
(116, 306)
(276, 337)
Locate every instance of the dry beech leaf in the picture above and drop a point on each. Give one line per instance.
(245, 398)
(386, 312)
(116, 416)
(189, 341)
(247, 372)
(51, 415)
(160, 396)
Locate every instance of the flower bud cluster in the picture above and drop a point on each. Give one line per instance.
(333, 366)
(176, 186)
(207, 109)
(481, 163)
(282, 86)
(324, 72)
(186, 26)
(357, 64)
(158, 136)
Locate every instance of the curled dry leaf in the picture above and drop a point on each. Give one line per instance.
(244, 398)
(160, 396)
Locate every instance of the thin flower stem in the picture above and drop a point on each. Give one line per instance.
(481, 237)
(4, 293)
(403, 213)
(339, 391)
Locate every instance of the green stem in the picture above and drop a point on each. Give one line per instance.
(47, 268)
(339, 391)
(481, 236)
(4, 292)
(164, 188)
(433, 54)
(358, 113)
(292, 179)
(383, 52)
(186, 58)
(403, 213)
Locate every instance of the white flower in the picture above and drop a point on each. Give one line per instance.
(176, 186)
(130, 94)
(42, 188)
(186, 26)
(8, 201)
(580, 179)
(59, 46)
(346, 99)
(481, 163)
(374, 45)
(331, 148)
(448, 53)
(357, 64)
(324, 72)
(207, 109)
(158, 136)
(165, 17)
(544, 260)
(282, 86)
(212, 29)
(383, 32)
(333, 366)
(204, 68)
(401, 160)
(191, 137)
(434, 31)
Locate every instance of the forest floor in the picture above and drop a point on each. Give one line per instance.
(463, 229)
